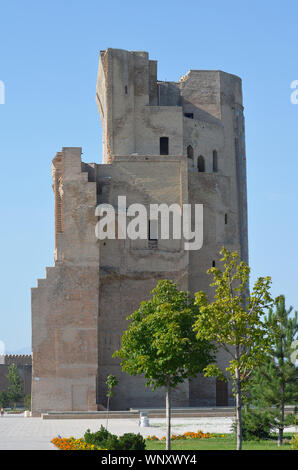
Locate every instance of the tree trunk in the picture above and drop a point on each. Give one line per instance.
(108, 410)
(168, 416)
(238, 411)
(282, 392)
(281, 428)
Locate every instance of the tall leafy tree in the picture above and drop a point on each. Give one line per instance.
(275, 384)
(233, 321)
(111, 383)
(160, 342)
(15, 387)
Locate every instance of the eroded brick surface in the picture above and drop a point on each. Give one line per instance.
(79, 311)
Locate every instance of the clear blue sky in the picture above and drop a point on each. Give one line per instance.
(48, 62)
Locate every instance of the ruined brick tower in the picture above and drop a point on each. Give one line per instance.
(163, 142)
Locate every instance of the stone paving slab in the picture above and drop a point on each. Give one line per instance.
(20, 433)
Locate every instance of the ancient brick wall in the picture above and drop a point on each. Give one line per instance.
(79, 310)
(65, 303)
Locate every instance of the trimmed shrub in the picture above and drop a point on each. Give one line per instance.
(96, 438)
(130, 441)
(105, 440)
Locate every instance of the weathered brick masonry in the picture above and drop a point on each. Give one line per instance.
(163, 142)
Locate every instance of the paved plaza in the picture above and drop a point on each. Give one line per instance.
(20, 433)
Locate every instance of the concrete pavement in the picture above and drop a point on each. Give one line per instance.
(20, 433)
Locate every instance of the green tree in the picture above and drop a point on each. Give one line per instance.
(15, 388)
(111, 383)
(275, 383)
(160, 342)
(4, 400)
(27, 402)
(233, 321)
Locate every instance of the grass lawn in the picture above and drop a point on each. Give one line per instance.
(219, 443)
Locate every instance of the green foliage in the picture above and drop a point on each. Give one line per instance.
(271, 388)
(102, 439)
(97, 437)
(274, 383)
(15, 389)
(105, 440)
(285, 328)
(212, 370)
(111, 383)
(27, 402)
(233, 319)
(4, 399)
(294, 442)
(160, 341)
(130, 441)
(255, 425)
(112, 443)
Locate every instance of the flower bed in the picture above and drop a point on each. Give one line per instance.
(101, 440)
(186, 435)
(71, 443)
(15, 412)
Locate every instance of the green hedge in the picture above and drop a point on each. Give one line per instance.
(105, 440)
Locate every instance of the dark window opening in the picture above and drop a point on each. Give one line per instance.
(201, 164)
(222, 397)
(126, 90)
(189, 152)
(188, 115)
(213, 264)
(215, 167)
(226, 219)
(164, 146)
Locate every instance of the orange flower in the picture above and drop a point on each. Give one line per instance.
(187, 435)
(72, 444)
